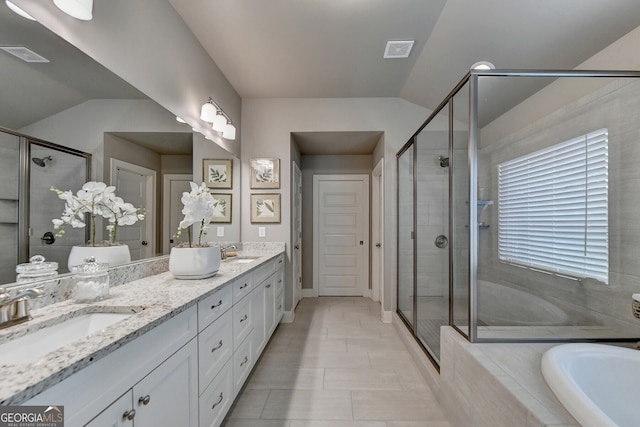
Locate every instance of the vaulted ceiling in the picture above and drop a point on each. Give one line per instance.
(334, 48)
(329, 48)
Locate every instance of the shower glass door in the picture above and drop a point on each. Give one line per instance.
(9, 209)
(406, 235)
(432, 231)
(64, 170)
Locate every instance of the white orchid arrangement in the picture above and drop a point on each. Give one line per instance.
(199, 208)
(98, 200)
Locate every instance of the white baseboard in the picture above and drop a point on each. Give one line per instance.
(288, 317)
(309, 293)
(387, 316)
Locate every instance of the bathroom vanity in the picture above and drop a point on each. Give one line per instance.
(178, 355)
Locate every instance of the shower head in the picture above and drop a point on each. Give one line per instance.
(43, 161)
(444, 161)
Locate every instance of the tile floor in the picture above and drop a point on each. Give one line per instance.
(337, 365)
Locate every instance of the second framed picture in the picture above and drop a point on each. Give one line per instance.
(217, 173)
(265, 173)
(221, 207)
(265, 208)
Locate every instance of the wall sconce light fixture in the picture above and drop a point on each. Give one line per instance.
(220, 121)
(79, 9)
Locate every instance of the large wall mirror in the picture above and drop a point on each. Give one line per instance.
(65, 108)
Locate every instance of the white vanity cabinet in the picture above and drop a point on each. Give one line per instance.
(167, 396)
(188, 370)
(161, 363)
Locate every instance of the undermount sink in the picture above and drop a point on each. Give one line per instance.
(241, 259)
(50, 338)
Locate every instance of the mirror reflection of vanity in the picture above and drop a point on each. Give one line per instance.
(72, 117)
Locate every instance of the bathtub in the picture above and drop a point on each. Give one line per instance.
(598, 384)
(500, 305)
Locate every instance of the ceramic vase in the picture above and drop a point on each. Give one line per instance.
(194, 263)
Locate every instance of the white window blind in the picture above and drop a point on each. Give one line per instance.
(553, 208)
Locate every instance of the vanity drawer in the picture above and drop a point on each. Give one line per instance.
(242, 363)
(212, 307)
(217, 398)
(242, 321)
(241, 287)
(279, 307)
(215, 347)
(279, 281)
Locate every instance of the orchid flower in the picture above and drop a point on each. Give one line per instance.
(198, 209)
(96, 199)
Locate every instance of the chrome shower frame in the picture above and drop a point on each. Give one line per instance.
(472, 80)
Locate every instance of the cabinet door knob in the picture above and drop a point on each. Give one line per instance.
(216, 305)
(129, 415)
(268, 286)
(145, 400)
(245, 317)
(244, 362)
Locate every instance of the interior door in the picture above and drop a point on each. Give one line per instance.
(297, 234)
(173, 187)
(136, 185)
(341, 234)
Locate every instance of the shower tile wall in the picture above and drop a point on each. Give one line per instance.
(432, 218)
(9, 164)
(616, 107)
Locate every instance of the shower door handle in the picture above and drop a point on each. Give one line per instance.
(441, 241)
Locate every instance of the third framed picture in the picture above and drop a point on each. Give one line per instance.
(265, 173)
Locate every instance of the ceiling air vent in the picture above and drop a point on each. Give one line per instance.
(23, 53)
(398, 49)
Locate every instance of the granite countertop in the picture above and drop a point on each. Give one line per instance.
(153, 300)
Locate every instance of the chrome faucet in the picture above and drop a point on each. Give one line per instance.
(15, 309)
(223, 251)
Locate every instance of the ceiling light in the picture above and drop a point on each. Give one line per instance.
(79, 9)
(19, 11)
(398, 49)
(229, 131)
(483, 65)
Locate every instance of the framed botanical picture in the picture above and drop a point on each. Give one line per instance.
(265, 208)
(217, 173)
(221, 207)
(265, 173)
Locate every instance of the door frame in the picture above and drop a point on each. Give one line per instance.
(296, 257)
(166, 208)
(150, 182)
(377, 233)
(366, 232)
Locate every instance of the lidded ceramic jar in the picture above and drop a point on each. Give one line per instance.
(91, 281)
(36, 269)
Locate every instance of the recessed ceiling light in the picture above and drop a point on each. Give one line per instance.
(19, 11)
(483, 65)
(23, 53)
(398, 48)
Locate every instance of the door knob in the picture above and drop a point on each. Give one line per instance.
(297, 246)
(48, 238)
(378, 245)
(145, 243)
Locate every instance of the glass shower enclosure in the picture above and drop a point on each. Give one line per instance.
(518, 210)
(29, 167)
